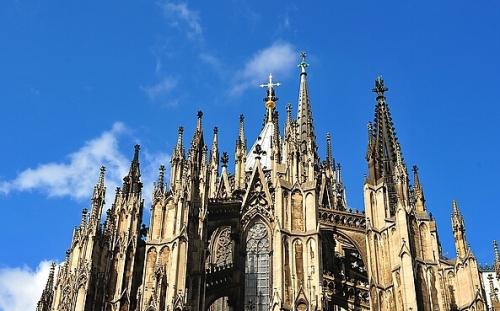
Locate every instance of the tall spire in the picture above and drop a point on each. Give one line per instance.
(384, 154)
(384, 137)
(132, 182)
(304, 113)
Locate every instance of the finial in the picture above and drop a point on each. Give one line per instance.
(84, 217)
(216, 130)
(224, 159)
(101, 175)
(271, 98)
(162, 174)
(137, 147)
(455, 207)
(198, 124)
(242, 117)
(179, 138)
(303, 65)
(380, 89)
(497, 254)
(289, 113)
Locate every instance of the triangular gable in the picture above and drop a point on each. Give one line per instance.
(224, 187)
(258, 191)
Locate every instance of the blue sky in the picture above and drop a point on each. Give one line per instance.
(82, 82)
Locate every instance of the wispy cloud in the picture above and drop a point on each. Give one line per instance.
(76, 177)
(159, 90)
(21, 287)
(277, 59)
(180, 16)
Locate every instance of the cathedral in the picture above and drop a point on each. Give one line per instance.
(274, 235)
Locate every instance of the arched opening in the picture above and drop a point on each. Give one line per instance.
(257, 267)
(219, 305)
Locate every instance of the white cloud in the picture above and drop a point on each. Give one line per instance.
(180, 14)
(278, 59)
(162, 88)
(21, 287)
(77, 177)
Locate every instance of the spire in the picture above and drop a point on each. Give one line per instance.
(329, 157)
(98, 199)
(270, 99)
(276, 139)
(161, 177)
(384, 153)
(339, 177)
(418, 191)
(45, 302)
(384, 142)
(241, 134)
(458, 227)
(214, 163)
(179, 148)
(304, 113)
(214, 153)
(497, 259)
(132, 182)
(240, 155)
(83, 222)
(198, 133)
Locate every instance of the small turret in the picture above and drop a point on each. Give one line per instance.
(240, 156)
(458, 227)
(132, 182)
(214, 164)
(418, 191)
(177, 161)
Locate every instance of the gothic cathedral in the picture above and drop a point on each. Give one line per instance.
(275, 235)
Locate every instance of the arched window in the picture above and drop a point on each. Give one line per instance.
(257, 268)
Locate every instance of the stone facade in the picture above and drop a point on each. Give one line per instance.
(275, 235)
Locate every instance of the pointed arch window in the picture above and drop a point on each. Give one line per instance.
(257, 268)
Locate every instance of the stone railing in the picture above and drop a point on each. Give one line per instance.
(353, 220)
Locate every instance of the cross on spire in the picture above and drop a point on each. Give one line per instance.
(270, 89)
(303, 63)
(380, 88)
